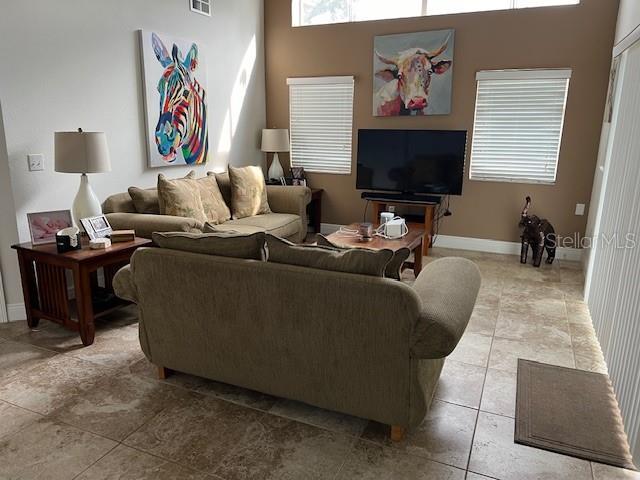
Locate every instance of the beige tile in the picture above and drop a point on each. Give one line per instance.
(495, 454)
(591, 361)
(523, 290)
(552, 332)
(13, 329)
(52, 383)
(607, 472)
(473, 349)
(375, 462)
(489, 299)
(54, 337)
(444, 436)
(239, 395)
(483, 320)
(499, 393)
(505, 354)
(17, 357)
(475, 476)
(275, 447)
(533, 308)
(578, 312)
(14, 419)
(124, 463)
(571, 275)
(114, 347)
(573, 292)
(118, 405)
(49, 450)
(198, 432)
(460, 383)
(334, 421)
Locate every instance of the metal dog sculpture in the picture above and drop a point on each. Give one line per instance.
(537, 233)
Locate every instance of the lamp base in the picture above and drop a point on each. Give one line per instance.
(275, 170)
(86, 203)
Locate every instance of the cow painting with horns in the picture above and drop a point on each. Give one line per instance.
(407, 78)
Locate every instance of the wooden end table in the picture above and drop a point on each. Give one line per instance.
(412, 240)
(44, 284)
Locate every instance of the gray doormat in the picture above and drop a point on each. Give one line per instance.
(570, 411)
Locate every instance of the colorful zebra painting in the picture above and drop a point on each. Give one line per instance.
(176, 102)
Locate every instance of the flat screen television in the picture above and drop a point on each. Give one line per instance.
(411, 161)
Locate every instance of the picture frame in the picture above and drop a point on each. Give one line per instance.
(96, 227)
(43, 226)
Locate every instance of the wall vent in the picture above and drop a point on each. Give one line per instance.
(201, 6)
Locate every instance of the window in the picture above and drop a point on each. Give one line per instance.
(518, 125)
(318, 12)
(201, 6)
(321, 123)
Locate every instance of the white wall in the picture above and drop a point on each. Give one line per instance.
(69, 64)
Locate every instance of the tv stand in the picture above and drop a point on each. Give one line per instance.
(380, 202)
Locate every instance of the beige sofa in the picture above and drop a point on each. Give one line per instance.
(288, 220)
(362, 345)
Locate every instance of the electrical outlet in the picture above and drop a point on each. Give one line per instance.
(391, 208)
(36, 162)
(579, 208)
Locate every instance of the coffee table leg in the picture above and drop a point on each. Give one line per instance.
(417, 260)
(82, 285)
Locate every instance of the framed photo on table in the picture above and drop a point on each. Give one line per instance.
(43, 226)
(96, 227)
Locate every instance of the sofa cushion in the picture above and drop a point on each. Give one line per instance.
(248, 192)
(219, 244)
(145, 200)
(226, 228)
(363, 262)
(279, 224)
(394, 267)
(215, 209)
(180, 197)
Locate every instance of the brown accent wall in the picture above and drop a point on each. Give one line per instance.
(579, 37)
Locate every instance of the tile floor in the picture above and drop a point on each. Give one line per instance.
(68, 412)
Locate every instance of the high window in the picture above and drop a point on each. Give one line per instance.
(318, 12)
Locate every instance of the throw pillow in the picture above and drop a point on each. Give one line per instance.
(224, 184)
(180, 197)
(219, 244)
(363, 262)
(215, 209)
(248, 192)
(145, 200)
(393, 268)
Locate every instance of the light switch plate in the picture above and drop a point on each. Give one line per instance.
(36, 162)
(579, 208)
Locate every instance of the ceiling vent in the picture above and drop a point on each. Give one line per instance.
(201, 6)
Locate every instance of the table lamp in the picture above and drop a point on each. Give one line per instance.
(82, 152)
(275, 140)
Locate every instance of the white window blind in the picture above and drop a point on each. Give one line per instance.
(518, 125)
(321, 123)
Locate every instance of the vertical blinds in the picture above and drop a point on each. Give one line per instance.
(518, 125)
(614, 286)
(321, 123)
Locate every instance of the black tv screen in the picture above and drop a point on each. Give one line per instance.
(411, 161)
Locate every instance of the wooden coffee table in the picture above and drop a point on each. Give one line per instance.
(44, 284)
(412, 240)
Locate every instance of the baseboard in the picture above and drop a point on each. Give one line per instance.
(479, 244)
(16, 311)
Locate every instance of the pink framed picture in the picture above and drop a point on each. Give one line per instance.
(43, 226)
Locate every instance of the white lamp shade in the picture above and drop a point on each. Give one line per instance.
(81, 152)
(275, 140)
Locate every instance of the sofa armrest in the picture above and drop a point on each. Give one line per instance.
(291, 199)
(145, 224)
(123, 284)
(448, 289)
